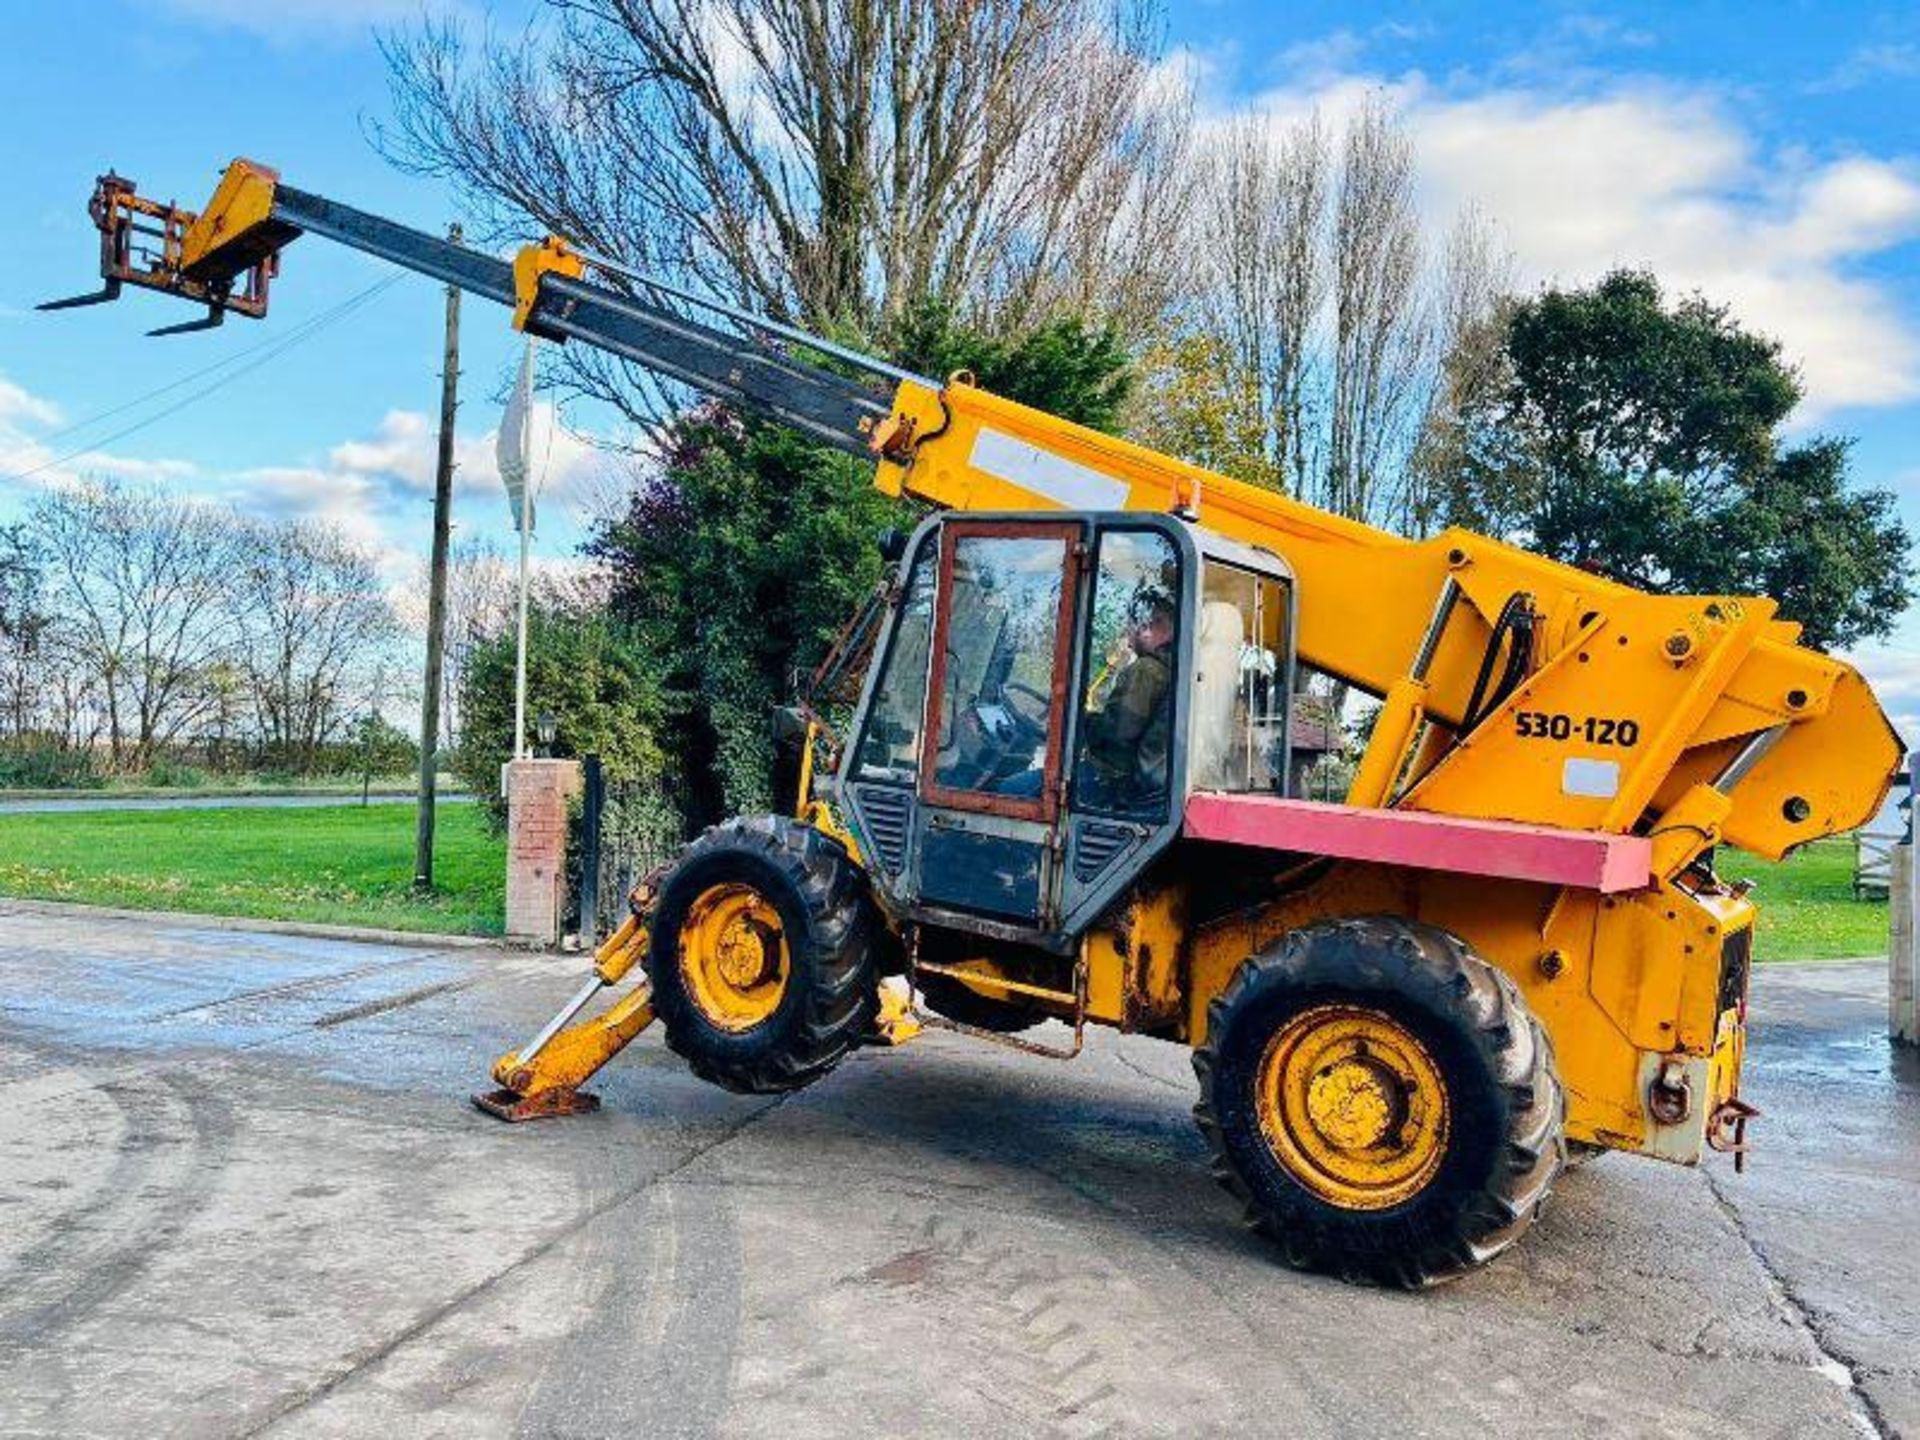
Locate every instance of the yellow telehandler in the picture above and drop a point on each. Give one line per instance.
(1070, 789)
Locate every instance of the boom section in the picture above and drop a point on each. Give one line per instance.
(225, 256)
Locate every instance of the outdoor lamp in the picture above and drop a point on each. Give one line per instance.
(544, 726)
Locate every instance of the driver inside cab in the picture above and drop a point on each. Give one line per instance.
(1127, 724)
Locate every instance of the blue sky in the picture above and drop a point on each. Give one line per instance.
(1764, 153)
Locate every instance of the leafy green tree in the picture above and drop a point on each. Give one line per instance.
(1641, 440)
(1197, 403)
(735, 564)
(370, 744)
(590, 672)
(1063, 366)
(738, 561)
(1839, 560)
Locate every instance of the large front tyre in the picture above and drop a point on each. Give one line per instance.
(761, 955)
(1381, 1101)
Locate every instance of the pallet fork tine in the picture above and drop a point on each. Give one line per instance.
(108, 292)
(210, 321)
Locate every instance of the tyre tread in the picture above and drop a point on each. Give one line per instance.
(1390, 951)
(840, 996)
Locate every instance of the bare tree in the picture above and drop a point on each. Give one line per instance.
(834, 164)
(1382, 331)
(24, 630)
(138, 577)
(1315, 349)
(480, 607)
(311, 623)
(1261, 265)
(1473, 294)
(481, 600)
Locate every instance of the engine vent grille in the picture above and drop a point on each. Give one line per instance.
(888, 814)
(1095, 846)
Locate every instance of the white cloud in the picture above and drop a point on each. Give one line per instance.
(1894, 675)
(17, 406)
(1868, 64)
(352, 503)
(403, 448)
(377, 488)
(1639, 173)
(1332, 53)
(33, 458)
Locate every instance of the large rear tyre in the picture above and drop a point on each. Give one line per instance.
(1381, 1101)
(761, 955)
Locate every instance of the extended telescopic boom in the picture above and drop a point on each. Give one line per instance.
(225, 255)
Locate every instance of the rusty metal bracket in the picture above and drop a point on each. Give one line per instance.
(542, 1105)
(144, 243)
(1077, 999)
(1727, 1130)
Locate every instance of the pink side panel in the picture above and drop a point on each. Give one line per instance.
(1497, 848)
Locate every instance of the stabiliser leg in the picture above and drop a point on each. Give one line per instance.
(544, 1078)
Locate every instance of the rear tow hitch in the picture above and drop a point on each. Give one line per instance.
(1727, 1130)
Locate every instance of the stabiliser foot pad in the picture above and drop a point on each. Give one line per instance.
(513, 1108)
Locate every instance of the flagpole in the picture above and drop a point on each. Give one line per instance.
(523, 462)
(520, 651)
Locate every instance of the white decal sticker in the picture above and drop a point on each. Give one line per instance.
(1072, 486)
(1598, 778)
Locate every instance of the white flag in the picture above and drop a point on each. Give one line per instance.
(516, 442)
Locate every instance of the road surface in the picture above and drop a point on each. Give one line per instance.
(242, 1193)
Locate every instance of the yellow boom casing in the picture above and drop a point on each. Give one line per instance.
(241, 206)
(532, 264)
(1694, 678)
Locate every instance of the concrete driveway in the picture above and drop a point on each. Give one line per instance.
(241, 1192)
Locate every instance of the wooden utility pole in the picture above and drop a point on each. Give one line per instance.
(437, 590)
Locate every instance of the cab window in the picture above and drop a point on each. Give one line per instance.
(1237, 736)
(890, 748)
(1122, 762)
(997, 716)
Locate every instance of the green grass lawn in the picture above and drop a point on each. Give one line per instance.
(344, 865)
(353, 866)
(196, 785)
(1807, 909)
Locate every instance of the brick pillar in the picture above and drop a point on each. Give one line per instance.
(537, 794)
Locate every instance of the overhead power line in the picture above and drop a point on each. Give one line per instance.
(256, 356)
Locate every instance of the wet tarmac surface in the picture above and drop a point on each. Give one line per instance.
(242, 1192)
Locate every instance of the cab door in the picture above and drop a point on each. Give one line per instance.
(990, 781)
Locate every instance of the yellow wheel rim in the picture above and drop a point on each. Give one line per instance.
(1353, 1106)
(733, 956)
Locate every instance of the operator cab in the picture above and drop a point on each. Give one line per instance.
(1047, 692)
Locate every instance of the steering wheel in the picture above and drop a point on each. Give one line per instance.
(1031, 715)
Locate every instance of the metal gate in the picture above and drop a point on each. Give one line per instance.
(628, 829)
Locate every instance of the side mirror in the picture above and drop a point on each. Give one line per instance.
(892, 544)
